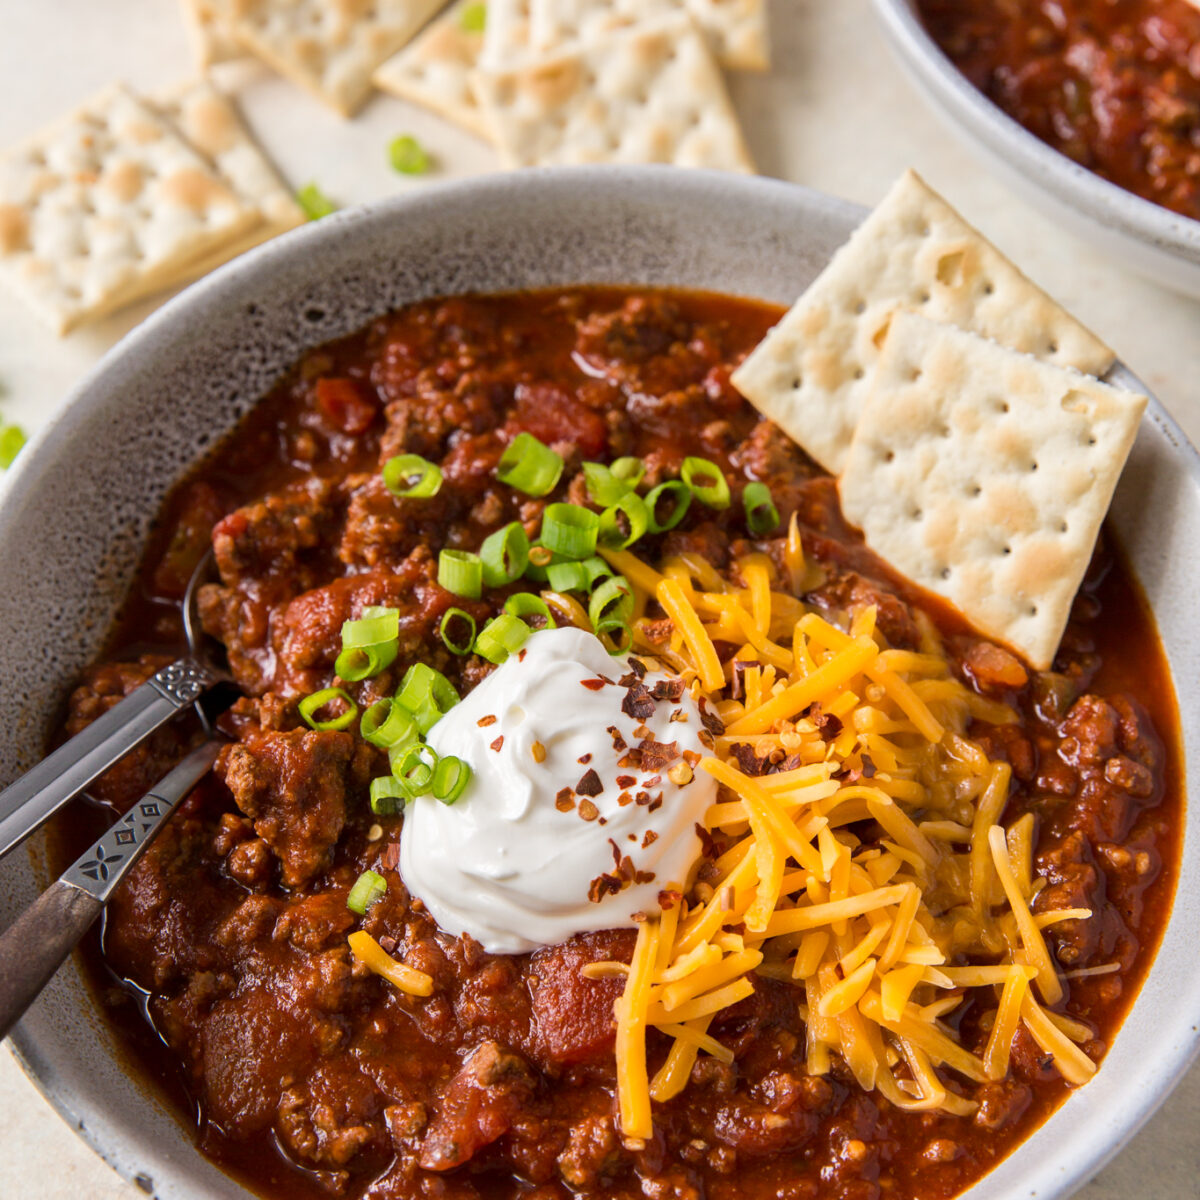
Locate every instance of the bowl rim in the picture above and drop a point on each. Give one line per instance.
(1092, 196)
(1163, 1069)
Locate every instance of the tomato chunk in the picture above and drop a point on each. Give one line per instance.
(346, 406)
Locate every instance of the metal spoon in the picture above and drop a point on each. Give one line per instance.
(41, 792)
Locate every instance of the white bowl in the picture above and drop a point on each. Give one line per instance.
(1150, 239)
(85, 491)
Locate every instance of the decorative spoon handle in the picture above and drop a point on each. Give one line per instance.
(42, 937)
(43, 790)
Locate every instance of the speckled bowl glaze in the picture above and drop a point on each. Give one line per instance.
(83, 497)
(1151, 240)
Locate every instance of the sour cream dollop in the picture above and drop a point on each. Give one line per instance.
(513, 861)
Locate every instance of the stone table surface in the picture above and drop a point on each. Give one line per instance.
(835, 113)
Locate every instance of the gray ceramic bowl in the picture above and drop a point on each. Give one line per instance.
(80, 503)
(1146, 237)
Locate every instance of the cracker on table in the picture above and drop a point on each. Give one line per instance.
(108, 206)
(330, 47)
(737, 29)
(812, 372)
(435, 69)
(211, 43)
(648, 94)
(984, 474)
(506, 33)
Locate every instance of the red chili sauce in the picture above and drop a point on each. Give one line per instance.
(223, 961)
(1113, 84)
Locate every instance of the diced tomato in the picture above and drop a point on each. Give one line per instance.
(345, 405)
(553, 415)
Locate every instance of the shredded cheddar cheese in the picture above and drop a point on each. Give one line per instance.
(885, 938)
(371, 954)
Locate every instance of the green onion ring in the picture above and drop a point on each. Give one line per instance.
(707, 482)
(377, 624)
(570, 530)
(410, 475)
(450, 779)
(388, 724)
(311, 705)
(461, 573)
(505, 555)
(427, 694)
(529, 465)
(356, 663)
(368, 888)
(414, 767)
(761, 514)
(605, 630)
(628, 470)
(680, 496)
(385, 791)
(526, 604)
(603, 487)
(612, 600)
(567, 577)
(500, 637)
(457, 647)
(636, 512)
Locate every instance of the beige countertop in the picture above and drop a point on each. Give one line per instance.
(835, 114)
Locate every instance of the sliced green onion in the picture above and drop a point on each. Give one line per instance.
(414, 767)
(526, 604)
(365, 662)
(707, 482)
(377, 624)
(529, 465)
(12, 440)
(603, 487)
(567, 577)
(611, 601)
(314, 203)
(628, 470)
(368, 888)
(621, 533)
(761, 514)
(605, 631)
(678, 494)
(505, 555)
(500, 637)
(462, 645)
(408, 156)
(461, 572)
(311, 705)
(473, 18)
(386, 790)
(450, 779)
(388, 724)
(540, 558)
(427, 694)
(411, 475)
(570, 530)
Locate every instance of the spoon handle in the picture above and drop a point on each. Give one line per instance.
(44, 789)
(40, 940)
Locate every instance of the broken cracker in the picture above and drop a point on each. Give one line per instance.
(211, 43)
(108, 206)
(649, 94)
(984, 474)
(812, 372)
(737, 29)
(435, 70)
(329, 47)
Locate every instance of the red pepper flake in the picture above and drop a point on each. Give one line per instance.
(389, 860)
(584, 759)
(643, 877)
(498, 743)
(628, 680)
(565, 800)
(667, 689)
(657, 755)
(642, 798)
(604, 885)
(484, 722)
(626, 781)
(705, 739)
(602, 821)
(592, 685)
(656, 803)
(711, 721)
(738, 689)
(691, 757)
(632, 759)
(680, 716)
(868, 767)
(653, 781)
(828, 725)
(587, 810)
(632, 837)
(748, 762)
(607, 680)
(616, 853)
(625, 799)
(708, 844)
(659, 631)
(521, 655)
(619, 743)
(388, 943)
(637, 667)
(589, 783)
(668, 899)
(642, 731)
(650, 838)
(638, 703)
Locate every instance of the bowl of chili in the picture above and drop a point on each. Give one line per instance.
(1091, 112)
(527, 240)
